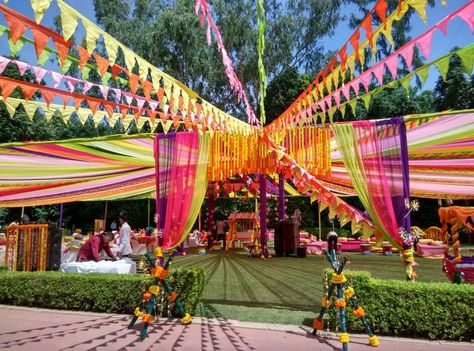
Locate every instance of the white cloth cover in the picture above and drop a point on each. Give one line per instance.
(123, 266)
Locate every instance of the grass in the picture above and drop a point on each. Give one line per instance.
(282, 290)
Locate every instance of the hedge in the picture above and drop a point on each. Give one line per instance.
(418, 310)
(110, 293)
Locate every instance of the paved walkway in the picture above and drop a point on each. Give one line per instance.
(34, 329)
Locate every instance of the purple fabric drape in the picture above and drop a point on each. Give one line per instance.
(263, 209)
(281, 197)
(394, 157)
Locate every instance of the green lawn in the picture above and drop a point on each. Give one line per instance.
(282, 290)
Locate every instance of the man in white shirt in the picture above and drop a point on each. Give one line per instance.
(124, 247)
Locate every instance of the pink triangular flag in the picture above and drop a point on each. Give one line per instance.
(322, 106)
(140, 102)
(328, 102)
(87, 86)
(355, 86)
(345, 91)
(71, 83)
(192, 116)
(128, 97)
(308, 111)
(467, 14)
(39, 73)
(443, 25)
(118, 94)
(392, 63)
(365, 78)
(22, 66)
(57, 77)
(166, 108)
(407, 54)
(3, 63)
(424, 43)
(337, 97)
(104, 91)
(377, 71)
(153, 105)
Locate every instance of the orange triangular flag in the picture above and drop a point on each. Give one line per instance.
(151, 114)
(123, 110)
(160, 95)
(65, 98)
(115, 71)
(162, 116)
(93, 105)
(354, 40)
(48, 96)
(367, 25)
(63, 49)
(77, 103)
(7, 88)
(17, 27)
(147, 88)
(109, 107)
(102, 63)
(343, 56)
(380, 10)
(84, 56)
(133, 81)
(40, 39)
(28, 91)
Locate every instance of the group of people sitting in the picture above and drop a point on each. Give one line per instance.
(91, 249)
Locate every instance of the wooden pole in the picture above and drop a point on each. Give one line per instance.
(148, 216)
(105, 216)
(319, 221)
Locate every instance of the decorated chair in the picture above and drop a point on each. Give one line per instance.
(435, 233)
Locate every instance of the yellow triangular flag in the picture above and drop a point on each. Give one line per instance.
(40, 7)
(92, 35)
(420, 7)
(129, 58)
(111, 46)
(83, 114)
(30, 108)
(142, 69)
(48, 112)
(68, 18)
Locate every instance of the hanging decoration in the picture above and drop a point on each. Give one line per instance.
(202, 9)
(316, 95)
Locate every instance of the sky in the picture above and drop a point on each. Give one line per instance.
(459, 33)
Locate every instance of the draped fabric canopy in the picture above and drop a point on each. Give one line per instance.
(376, 172)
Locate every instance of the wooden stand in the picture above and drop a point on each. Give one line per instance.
(342, 291)
(150, 306)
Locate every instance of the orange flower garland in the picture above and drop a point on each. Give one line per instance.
(341, 303)
(358, 312)
(172, 297)
(318, 324)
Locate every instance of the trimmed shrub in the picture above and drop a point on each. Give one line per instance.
(419, 310)
(109, 293)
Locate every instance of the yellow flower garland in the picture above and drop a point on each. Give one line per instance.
(344, 338)
(338, 278)
(374, 341)
(187, 319)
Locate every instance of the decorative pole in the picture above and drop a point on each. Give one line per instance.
(61, 207)
(281, 197)
(156, 154)
(105, 216)
(263, 209)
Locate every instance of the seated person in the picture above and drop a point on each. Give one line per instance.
(90, 251)
(149, 231)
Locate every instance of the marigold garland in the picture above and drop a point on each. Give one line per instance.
(325, 302)
(147, 318)
(172, 297)
(318, 324)
(349, 292)
(341, 303)
(187, 319)
(154, 289)
(147, 296)
(374, 341)
(338, 278)
(359, 312)
(137, 312)
(344, 338)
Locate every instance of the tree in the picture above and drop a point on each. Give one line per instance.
(457, 92)
(283, 90)
(168, 35)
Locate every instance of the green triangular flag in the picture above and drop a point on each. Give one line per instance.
(67, 64)
(15, 48)
(443, 66)
(342, 108)
(422, 73)
(331, 112)
(405, 82)
(106, 77)
(85, 72)
(43, 57)
(2, 30)
(467, 57)
(322, 117)
(392, 85)
(366, 98)
(353, 104)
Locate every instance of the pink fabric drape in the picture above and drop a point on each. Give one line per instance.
(378, 181)
(179, 185)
